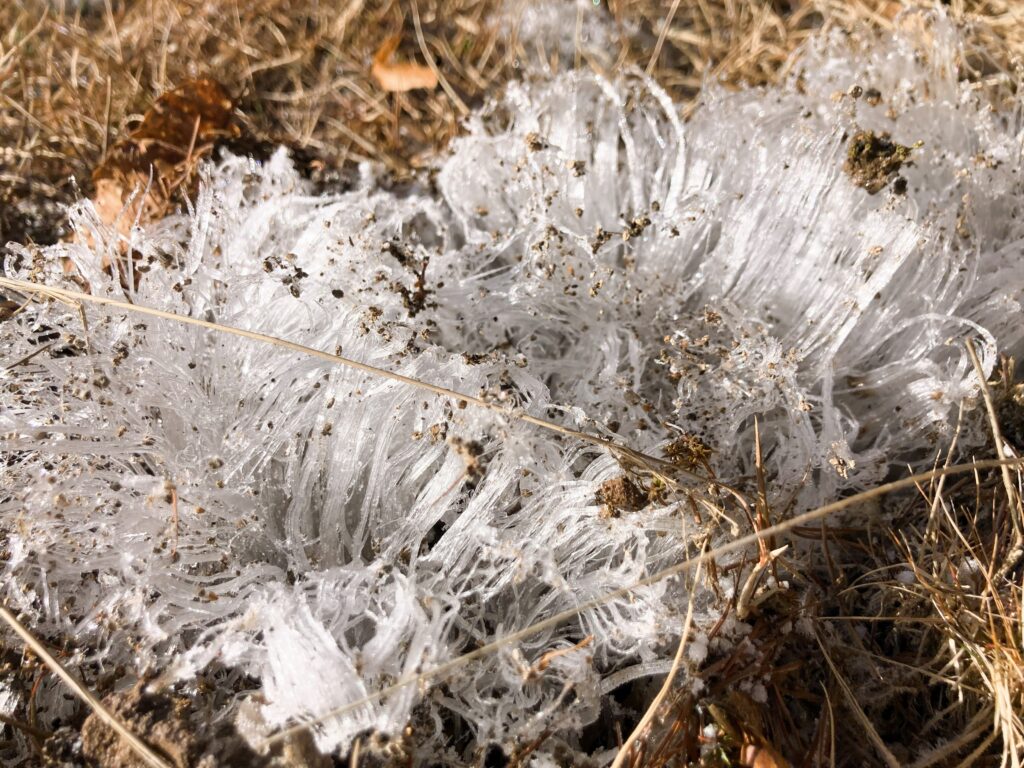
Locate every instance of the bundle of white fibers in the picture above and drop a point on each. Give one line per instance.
(176, 499)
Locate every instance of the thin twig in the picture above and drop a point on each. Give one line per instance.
(31, 730)
(761, 507)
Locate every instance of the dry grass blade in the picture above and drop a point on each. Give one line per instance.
(25, 727)
(858, 712)
(665, 470)
(75, 76)
(751, 42)
(8, 56)
(628, 746)
(661, 37)
(997, 436)
(965, 585)
(145, 753)
(756, 538)
(974, 729)
(831, 727)
(746, 597)
(463, 109)
(34, 353)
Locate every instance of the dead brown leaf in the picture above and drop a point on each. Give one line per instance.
(399, 76)
(160, 155)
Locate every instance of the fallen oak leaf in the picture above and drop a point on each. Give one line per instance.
(399, 76)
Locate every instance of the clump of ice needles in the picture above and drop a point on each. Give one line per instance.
(175, 498)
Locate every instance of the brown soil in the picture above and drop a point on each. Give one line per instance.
(167, 724)
(620, 494)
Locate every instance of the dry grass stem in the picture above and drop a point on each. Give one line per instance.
(666, 687)
(925, 591)
(663, 469)
(704, 558)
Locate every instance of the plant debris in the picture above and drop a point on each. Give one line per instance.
(326, 555)
(621, 494)
(161, 155)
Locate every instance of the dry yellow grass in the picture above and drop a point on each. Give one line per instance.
(72, 82)
(75, 77)
(915, 658)
(751, 42)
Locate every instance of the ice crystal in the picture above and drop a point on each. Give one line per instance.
(177, 499)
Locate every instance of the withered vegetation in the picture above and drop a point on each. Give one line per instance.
(77, 77)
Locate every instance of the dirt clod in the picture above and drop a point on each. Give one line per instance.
(620, 494)
(165, 723)
(872, 159)
(62, 748)
(536, 142)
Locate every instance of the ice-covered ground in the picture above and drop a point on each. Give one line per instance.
(175, 498)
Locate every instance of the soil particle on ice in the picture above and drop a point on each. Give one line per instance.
(872, 159)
